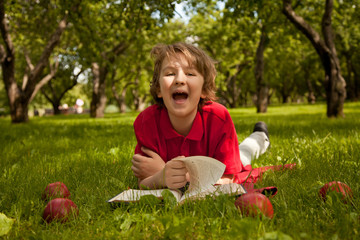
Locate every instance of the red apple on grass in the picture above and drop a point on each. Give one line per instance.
(336, 187)
(61, 209)
(253, 204)
(55, 190)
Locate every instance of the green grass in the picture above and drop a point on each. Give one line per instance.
(92, 157)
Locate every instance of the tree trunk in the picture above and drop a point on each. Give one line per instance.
(56, 108)
(262, 90)
(234, 87)
(284, 91)
(55, 101)
(284, 98)
(232, 90)
(98, 101)
(120, 99)
(311, 97)
(335, 84)
(352, 78)
(18, 104)
(135, 93)
(122, 105)
(350, 86)
(356, 82)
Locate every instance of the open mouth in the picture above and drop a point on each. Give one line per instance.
(180, 96)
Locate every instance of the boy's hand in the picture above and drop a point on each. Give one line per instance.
(175, 174)
(146, 166)
(225, 179)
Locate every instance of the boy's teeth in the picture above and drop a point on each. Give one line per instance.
(178, 96)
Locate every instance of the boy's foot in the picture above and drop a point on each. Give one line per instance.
(261, 127)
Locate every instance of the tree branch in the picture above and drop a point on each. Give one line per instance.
(305, 28)
(46, 79)
(116, 51)
(28, 60)
(30, 66)
(76, 76)
(53, 69)
(54, 40)
(40, 84)
(25, 80)
(47, 96)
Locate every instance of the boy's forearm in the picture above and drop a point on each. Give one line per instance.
(153, 182)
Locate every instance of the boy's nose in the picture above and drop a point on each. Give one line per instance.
(180, 78)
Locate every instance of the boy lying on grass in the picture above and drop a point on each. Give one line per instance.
(185, 121)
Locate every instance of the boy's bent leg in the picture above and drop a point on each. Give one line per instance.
(254, 145)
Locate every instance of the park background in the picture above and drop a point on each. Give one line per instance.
(55, 52)
(293, 64)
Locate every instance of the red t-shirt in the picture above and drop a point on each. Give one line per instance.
(212, 134)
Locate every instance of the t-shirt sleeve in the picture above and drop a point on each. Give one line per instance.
(138, 133)
(227, 150)
(146, 131)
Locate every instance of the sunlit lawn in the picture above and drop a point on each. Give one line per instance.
(92, 157)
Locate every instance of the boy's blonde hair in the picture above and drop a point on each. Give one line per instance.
(195, 57)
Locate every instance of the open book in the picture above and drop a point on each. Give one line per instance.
(204, 172)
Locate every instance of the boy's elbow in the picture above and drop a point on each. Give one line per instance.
(143, 185)
(140, 183)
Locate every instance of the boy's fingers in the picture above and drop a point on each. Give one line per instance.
(176, 164)
(179, 184)
(149, 152)
(178, 179)
(137, 157)
(145, 150)
(178, 172)
(135, 171)
(136, 160)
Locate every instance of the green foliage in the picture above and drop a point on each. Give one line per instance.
(229, 34)
(93, 158)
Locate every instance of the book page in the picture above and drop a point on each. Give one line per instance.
(204, 172)
(133, 195)
(232, 189)
(229, 189)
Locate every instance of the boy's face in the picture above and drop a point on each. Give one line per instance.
(180, 87)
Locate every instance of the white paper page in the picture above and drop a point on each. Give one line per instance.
(133, 195)
(204, 172)
(228, 189)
